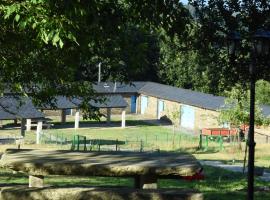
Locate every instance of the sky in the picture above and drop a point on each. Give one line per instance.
(184, 1)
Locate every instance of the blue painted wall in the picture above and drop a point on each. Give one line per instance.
(133, 101)
(160, 108)
(144, 103)
(187, 117)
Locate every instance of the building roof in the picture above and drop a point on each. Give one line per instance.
(18, 107)
(111, 101)
(117, 87)
(189, 97)
(61, 102)
(4, 115)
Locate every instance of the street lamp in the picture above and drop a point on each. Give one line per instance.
(261, 40)
(233, 42)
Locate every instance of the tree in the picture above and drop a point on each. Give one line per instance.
(189, 63)
(173, 116)
(263, 92)
(216, 19)
(45, 44)
(236, 109)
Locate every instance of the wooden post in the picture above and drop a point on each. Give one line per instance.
(63, 116)
(28, 124)
(23, 121)
(36, 181)
(77, 119)
(39, 129)
(108, 115)
(123, 118)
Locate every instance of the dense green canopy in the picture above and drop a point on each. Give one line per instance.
(53, 47)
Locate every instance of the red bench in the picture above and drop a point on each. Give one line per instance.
(219, 131)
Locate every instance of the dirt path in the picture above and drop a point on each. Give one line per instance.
(234, 168)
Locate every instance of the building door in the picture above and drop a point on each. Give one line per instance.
(133, 101)
(187, 119)
(144, 103)
(160, 108)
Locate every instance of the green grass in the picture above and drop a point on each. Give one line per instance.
(218, 184)
(153, 137)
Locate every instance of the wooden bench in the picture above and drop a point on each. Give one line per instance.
(146, 168)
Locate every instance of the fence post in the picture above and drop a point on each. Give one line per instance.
(78, 142)
(62, 138)
(206, 140)
(179, 140)
(84, 143)
(220, 143)
(56, 138)
(98, 145)
(200, 141)
(72, 143)
(116, 146)
(141, 148)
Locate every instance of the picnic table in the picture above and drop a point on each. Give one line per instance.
(145, 167)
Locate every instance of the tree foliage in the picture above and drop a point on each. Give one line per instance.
(205, 64)
(236, 109)
(263, 92)
(218, 18)
(189, 67)
(52, 47)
